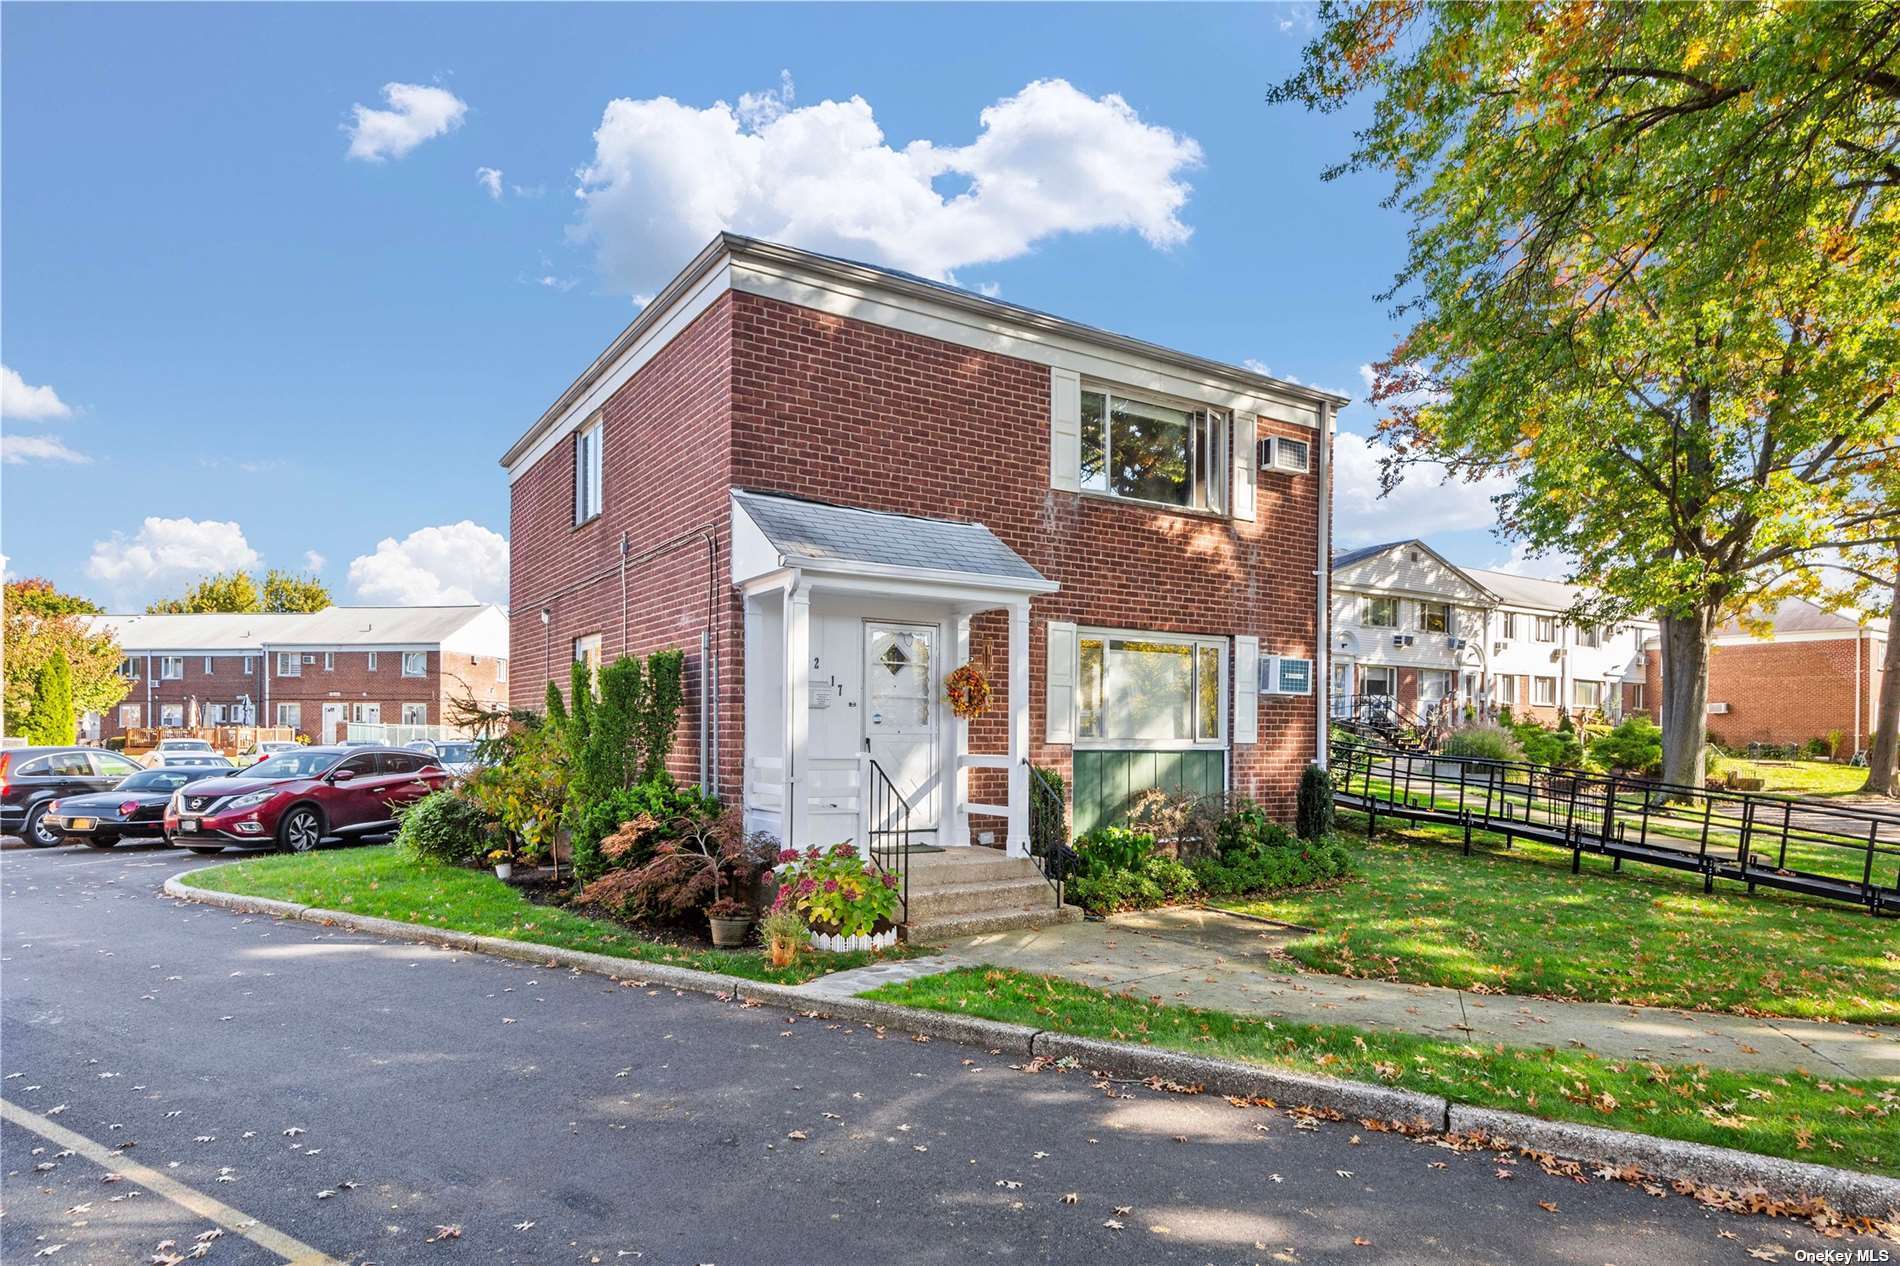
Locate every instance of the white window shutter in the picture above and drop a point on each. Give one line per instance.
(1060, 680)
(1246, 690)
(1245, 475)
(1065, 431)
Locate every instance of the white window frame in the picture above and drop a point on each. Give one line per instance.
(1218, 448)
(1546, 628)
(415, 714)
(1391, 675)
(329, 661)
(366, 713)
(171, 667)
(1507, 631)
(1543, 692)
(209, 667)
(1577, 687)
(132, 667)
(250, 665)
(289, 664)
(1590, 635)
(420, 660)
(587, 650)
(1221, 647)
(1633, 696)
(1369, 609)
(372, 661)
(588, 446)
(501, 670)
(131, 716)
(289, 714)
(166, 711)
(1427, 608)
(216, 713)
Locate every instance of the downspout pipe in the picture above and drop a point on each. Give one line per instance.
(1323, 575)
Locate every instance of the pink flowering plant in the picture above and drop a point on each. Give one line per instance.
(836, 889)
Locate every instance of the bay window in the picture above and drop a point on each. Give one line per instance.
(1150, 690)
(1146, 451)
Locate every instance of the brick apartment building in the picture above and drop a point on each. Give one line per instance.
(314, 673)
(1817, 675)
(831, 484)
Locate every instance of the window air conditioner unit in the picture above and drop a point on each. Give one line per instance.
(1497, 648)
(1263, 453)
(1717, 709)
(1456, 643)
(1398, 639)
(1409, 639)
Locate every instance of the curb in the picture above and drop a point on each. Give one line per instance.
(1849, 1192)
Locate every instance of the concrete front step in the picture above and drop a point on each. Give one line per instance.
(936, 931)
(973, 898)
(968, 865)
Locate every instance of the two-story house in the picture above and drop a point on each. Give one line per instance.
(314, 672)
(832, 484)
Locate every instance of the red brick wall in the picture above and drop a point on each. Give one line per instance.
(665, 475)
(225, 682)
(1790, 692)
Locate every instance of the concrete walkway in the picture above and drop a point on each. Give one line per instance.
(1208, 958)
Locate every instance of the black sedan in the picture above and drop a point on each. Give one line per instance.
(134, 807)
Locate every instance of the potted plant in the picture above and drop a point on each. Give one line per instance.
(503, 862)
(848, 903)
(783, 931)
(731, 919)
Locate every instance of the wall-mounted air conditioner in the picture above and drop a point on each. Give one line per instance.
(1717, 709)
(1456, 643)
(1497, 648)
(1409, 639)
(1398, 639)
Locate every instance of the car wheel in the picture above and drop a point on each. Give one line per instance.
(300, 831)
(204, 850)
(35, 831)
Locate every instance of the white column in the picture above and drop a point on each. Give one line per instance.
(797, 713)
(1019, 729)
(959, 780)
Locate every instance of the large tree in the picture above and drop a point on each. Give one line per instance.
(1653, 279)
(41, 623)
(238, 591)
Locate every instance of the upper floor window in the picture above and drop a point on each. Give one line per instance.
(1381, 613)
(329, 661)
(1546, 628)
(415, 663)
(1434, 617)
(171, 667)
(587, 443)
(130, 667)
(1589, 635)
(1146, 451)
(501, 670)
(1510, 630)
(372, 661)
(210, 667)
(250, 665)
(289, 664)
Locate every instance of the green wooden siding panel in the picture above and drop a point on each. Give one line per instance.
(1107, 782)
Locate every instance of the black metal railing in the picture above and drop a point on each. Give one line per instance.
(1049, 830)
(1384, 718)
(1816, 847)
(889, 833)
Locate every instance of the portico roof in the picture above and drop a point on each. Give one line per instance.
(817, 537)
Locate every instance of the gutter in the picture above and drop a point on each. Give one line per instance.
(1323, 572)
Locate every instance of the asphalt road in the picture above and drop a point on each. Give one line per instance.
(553, 1117)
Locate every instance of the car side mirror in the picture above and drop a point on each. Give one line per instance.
(343, 775)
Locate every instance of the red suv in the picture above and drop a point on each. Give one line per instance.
(293, 800)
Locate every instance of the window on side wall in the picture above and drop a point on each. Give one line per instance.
(1544, 691)
(1507, 690)
(501, 670)
(289, 664)
(415, 663)
(587, 651)
(1509, 629)
(587, 467)
(1151, 690)
(171, 715)
(1380, 613)
(171, 667)
(1434, 617)
(372, 661)
(290, 714)
(1587, 694)
(1546, 628)
(129, 715)
(1143, 450)
(415, 714)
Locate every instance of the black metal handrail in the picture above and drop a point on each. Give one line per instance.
(1049, 830)
(1816, 847)
(889, 845)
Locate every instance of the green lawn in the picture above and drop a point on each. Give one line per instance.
(1835, 1122)
(389, 884)
(1520, 922)
(1796, 777)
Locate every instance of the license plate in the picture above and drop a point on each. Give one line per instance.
(80, 824)
(187, 824)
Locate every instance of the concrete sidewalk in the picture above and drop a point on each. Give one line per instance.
(1208, 958)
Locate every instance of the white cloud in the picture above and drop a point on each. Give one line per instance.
(313, 561)
(27, 403)
(1049, 160)
(170, 548)
(417, 112)
(490, 179)
(455, 562)
(16, 450)
(1425, 503)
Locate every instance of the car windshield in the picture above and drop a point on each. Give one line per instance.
(186, 745)
(293, 765)
(457, 752)
(155, 780)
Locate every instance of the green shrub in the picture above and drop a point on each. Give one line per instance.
(1483, 742)
(1314, 817)
(1817, 749)
(1259, 855)
(445, 827)
(1156, 882)
(53, 722)
(1635, 744)
(659, 715)
(1559, 747)
(1113, 848)
(664, 802)
(1048, 814)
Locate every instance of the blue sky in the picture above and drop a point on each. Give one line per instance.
(245, 323)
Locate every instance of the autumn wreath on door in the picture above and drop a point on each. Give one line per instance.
(968, 691)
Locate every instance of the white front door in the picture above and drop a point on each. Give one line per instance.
(900, 713)
(1342, 688)
(332, 722)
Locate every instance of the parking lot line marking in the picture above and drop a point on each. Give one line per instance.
(292, 1250)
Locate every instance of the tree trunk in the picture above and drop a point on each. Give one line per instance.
(1880, 762)
(1685, 691)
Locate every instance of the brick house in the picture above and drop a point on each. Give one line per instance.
(315, 673)
(831, 484)
(1814, 675)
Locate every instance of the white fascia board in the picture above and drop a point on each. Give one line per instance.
(1801, 635)
(665, 317)
(960, 582)
(753, 554)
(879, 304)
